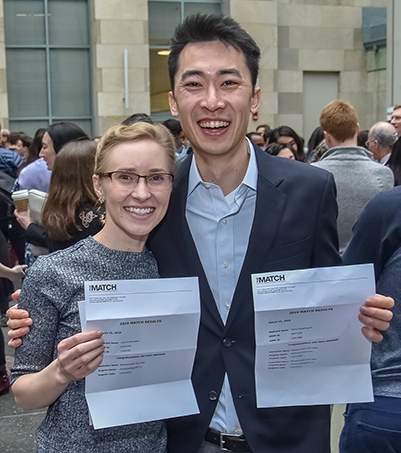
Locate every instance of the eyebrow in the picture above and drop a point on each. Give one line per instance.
(194, 72)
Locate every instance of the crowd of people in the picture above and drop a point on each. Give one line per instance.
(241, 204)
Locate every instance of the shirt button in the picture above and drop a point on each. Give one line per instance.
(225, 264)
(213, 395)
(224, 221)
(227, 342)
(207, 186)
(228, 306)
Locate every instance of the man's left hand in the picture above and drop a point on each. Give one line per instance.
(375, 315)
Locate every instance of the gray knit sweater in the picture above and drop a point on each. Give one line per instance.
(50, 293)
(358, 178)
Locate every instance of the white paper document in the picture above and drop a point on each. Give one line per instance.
(309, 345)
(150, 329)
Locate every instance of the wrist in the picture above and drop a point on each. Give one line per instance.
(61, 377)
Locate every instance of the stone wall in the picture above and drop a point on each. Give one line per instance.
(119, 25)
(3, 78)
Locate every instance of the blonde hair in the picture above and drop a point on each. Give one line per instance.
(133, 133)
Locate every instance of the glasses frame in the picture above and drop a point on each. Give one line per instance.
(110, 174)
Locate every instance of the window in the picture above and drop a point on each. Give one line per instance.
(48, 63)
(164, 16)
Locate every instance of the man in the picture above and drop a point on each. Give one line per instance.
(396, 119)
(235, 211)
(381, 139)
(358, 178)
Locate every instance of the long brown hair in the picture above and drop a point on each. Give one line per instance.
(70, 190)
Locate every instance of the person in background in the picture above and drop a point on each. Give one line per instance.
(70, 213)
(380, 141)
(357, 176)
(315, 139)
(55, 137)
(7, 275)
(285, 134)
(376, 238)
(362, 139)
(394, 162)
(4, 138)
(256, 139)
(34, 173)
(138, 118)
(262, 128)
(396, 119)
(281, 150)
(174, 126)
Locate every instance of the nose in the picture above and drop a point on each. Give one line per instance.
(213, 99)
(141, 190)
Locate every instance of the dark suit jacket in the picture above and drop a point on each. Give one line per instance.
(294, 228)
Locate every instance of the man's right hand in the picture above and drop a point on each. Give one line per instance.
(18, 323)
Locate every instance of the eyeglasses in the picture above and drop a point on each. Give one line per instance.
(129, 179)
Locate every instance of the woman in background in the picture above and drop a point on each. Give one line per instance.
(285, 134)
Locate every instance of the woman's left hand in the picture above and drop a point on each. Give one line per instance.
(375, 315)
(79, 356)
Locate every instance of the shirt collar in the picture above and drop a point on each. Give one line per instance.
(250, 178)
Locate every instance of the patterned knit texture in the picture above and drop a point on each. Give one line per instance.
(53, 287)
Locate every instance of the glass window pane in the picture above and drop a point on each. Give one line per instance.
(203, 8)
(26, 82)
(29, 127)
(159, 82)
(163, 18)
(68, 22)
(70, 87)
(85, 125)
(24, 22)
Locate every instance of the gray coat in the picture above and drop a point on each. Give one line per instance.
(358, 178)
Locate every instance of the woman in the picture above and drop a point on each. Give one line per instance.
(34, 174)
(281, 150)
(133, 178)
(70, 213)
(56, 136)
(285, 134)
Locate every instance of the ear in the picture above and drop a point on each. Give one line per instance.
(173, 104)
(328, 138)
(256, 100)
(97, 186)
(357, 129)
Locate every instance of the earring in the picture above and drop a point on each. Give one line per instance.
(101, 200)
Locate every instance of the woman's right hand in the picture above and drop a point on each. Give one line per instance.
(24, 218)
(79, 356)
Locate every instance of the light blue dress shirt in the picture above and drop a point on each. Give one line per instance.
(220, 227)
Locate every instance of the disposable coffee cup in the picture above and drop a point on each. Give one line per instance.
(20, 198)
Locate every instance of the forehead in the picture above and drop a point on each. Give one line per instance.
(211, 57)
(396, 113)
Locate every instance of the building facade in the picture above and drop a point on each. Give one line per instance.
(95, 62)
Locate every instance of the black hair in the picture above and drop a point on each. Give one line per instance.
(362, 138)
(287, 131)
(275, 148)
(63, 133)
(174, 126)
(137, 118)
(315, 139)
(211, 27)
(395, 162)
